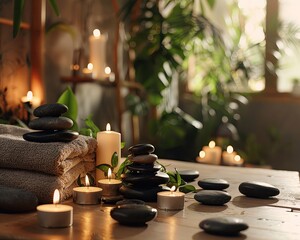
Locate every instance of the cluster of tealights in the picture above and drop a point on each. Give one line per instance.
(58, 215)
(213, 154)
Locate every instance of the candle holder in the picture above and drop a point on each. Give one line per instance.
(110, 193)
(55, 215)
(87, 195)
(170, 200)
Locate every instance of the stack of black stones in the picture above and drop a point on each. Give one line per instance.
(53, 127)
(143, 179)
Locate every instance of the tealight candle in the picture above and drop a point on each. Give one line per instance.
(88, 71)
(228, 156)
(110, 186)
(87, 194)
(108, 142)
(170, 200)
(55, 215)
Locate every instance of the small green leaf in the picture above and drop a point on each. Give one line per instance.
(91, 125)
(18, 12)
(122, 168)
(86, 132)
(114, 159)
(211, 3)
(178, 178)
(68, 98)
(79, 183)
(123, 145)
(54, 6)
(104, 168)
(187, 188)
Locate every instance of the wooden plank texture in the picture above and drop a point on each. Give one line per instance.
(268, 219)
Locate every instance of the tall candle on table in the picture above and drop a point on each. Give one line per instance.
(55, 215)
(97, 43)
(108, 142)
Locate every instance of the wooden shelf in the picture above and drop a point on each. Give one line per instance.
(79, 80)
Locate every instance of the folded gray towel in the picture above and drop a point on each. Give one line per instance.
(43, 185)
(16, 153)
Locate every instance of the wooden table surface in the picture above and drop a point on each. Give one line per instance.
(276, 218)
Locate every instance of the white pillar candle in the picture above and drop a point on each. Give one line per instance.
(87, 194)
(108, 142)
(170, 200)
(110, 186)
(55, 215)
(228, 156)
(97, 43)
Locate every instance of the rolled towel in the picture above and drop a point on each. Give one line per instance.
(43, 185)
(16, 153)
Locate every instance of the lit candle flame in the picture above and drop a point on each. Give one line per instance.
(172, 190)
(109, 174)
(230, 149)
(90, 66)
(108, 128)
(202, 154)
(107, 70)
(56, 197)
(96, 33)
(212, 144)
(87, 181)
(237, 158)
(29, 96)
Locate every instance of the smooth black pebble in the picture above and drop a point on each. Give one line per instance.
(258, 189)
(51, 136)
(224, 226)
(143, 168)
(141, 149)
(145, 179)
(188, 175)
(13, 200)
(51, 123)
(130, 201)
(50, 110)
(145, 194)
(213, 184)
(212, 197)
(133, 214)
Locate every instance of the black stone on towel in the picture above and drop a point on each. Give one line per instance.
(225, 226)
(213, 184)
(51, 123)
(13, 200)
(141, 149)
(133, 214)
(50, 110)
(212, 197)
(258, 189)
(51, 136)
